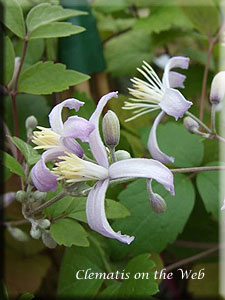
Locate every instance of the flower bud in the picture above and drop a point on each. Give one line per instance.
(18, 234)
(20, 196)
(35, 232)
(7, 199)
(111, 129)
(217, 91)
(48, 240)
(122, 154)
(191, 125)
(31, 123)
(39, 195)
(16, 69)
(44, 224)
(157, 203)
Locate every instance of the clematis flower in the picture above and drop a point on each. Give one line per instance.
(57, 139)
(156, 94)
(73, 169)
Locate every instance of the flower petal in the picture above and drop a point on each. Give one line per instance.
(174, 62)
(95, 141)
(153, 147)
(72, 145)
(43, 179)
(96, 217)
(176, 79)
(55, 118)
(77, 127)
(142, 167)
(174, 103)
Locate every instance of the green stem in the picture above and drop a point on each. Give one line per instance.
(113, 155)
(213, 118)
(47, 204)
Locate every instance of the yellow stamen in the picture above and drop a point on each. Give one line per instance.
(73, 169)
(45, 139)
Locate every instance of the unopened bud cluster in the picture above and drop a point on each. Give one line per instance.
(30, 123)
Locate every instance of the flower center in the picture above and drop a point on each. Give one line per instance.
(147, 94)
(73, 169)
(45, 139)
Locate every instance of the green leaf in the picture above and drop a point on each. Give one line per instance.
(106, 7)
(76, 259)
(3, 291)
(200, 229)
(39, 108)
(47, 77)
(26, 296)
(133, 126)
(163, 18)
(141, 287)
(9, 60)
(55, 30)
(45, 13)
(35, 50)
(153, 232)
(13, 17)
(134, 142)
(208, 186)
(175, 140)
(69, 232)
(126, 52)
(75, 207)
(205, 18)
(114, 209)
(12, 164)
(111, 292)
(30, 154)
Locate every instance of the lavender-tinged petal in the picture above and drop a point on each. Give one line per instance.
(95, 141)
(7, 199)
(77, 127)
(176, 79)
(55, 117)
(174, 62)
(43, 179)
(223, 206)
(174, 103)
(72, 145)
(153, 147)
(145, 168)
(96, 217)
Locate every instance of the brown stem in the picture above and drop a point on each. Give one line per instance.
(191, 259)
(15, 223)
(14, 91)
(198, 169)
(15, 114)
(21, 65)
(205, 77)
(116, 34)
(219, 138)
(197, 245)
